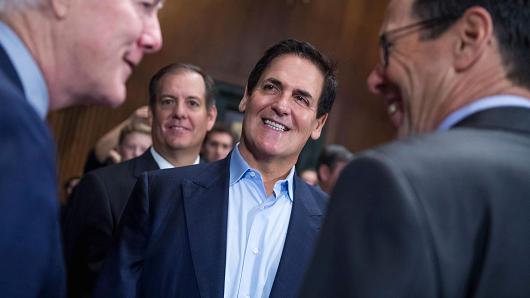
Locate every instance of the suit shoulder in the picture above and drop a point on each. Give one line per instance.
(454, 147)
(199, 172)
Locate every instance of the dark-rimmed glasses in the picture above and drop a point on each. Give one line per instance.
(384, 38)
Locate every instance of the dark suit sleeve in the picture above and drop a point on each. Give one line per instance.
(123, 266)
(374, 241)
(87, 231)
(31, 261)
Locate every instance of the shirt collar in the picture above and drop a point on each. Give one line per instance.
(239, 167)
(483, 104)
(163, 163)
(27, 69)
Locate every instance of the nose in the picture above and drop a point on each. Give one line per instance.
(151, 39)
(281, 104)
(179, 111)
(138, 151)
(376, 80)
(219, 150)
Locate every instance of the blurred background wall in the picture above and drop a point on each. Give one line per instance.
(226, 38)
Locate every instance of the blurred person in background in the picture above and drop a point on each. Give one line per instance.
(330, 164)
(309, 176)
(218, 143)
(105, 151)
(134, 140)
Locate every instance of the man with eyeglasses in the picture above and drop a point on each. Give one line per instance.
(445, 211)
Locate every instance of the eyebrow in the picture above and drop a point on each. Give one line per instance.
(303, 93)
(295, 91)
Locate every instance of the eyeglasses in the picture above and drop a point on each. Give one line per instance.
(386, 44)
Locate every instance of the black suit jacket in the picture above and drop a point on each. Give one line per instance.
(31, 262)
(173, 239)
(443, 215)
(92, 216)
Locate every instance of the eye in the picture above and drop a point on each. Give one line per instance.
(167, 101)
(302, 100)
(148, 6)
(270, 88)
(194, 103)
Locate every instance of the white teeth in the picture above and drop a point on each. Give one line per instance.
(392, 108)
(275, 125)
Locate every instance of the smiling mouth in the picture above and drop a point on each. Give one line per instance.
(394, 108)
(178, 128)
(275, 125)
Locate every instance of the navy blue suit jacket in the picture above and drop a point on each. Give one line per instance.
(172, 239)
(31, 263)
(92, 217)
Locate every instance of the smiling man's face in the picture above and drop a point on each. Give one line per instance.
(280, 114)
(417, 74)
(181, 117)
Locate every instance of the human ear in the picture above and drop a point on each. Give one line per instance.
(315, 134)
(475, 32)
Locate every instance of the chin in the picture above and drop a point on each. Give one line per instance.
(116, 98)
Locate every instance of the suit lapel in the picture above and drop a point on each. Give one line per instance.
(206, 207)
(304, 225)
(505, 118)
(144, 163)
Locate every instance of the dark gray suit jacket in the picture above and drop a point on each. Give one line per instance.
(443, 215)
(173, 239)
(92, 217)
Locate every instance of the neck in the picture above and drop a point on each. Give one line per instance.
(271, 169)
(178, 158)
(467, 88)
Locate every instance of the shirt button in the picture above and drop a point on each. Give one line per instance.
(247, 296)
(252, 174)
(255, 251)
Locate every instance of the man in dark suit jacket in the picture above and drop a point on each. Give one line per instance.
(40, 72)
(445, 214)
(98, 202)
(241, 226)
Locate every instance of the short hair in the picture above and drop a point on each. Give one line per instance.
(307, 51)
(220, 127)
(511, 20)
(332, 154)
(176, 68)
(137, 127)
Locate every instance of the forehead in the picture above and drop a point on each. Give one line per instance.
(220, 136)
(295, 72)
(182, 82)
(135, 136)
(398, 13)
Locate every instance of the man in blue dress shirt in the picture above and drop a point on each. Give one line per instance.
(53, 54)
(243, 226)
